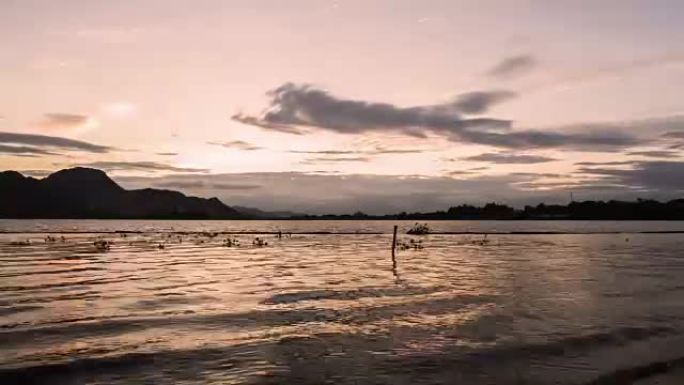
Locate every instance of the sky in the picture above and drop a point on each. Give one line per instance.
(337, 106)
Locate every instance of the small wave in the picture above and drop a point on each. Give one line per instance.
(9, 310)
(299, 296)
(630, 375)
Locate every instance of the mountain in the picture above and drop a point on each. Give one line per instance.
(261, 214)
(90, 193)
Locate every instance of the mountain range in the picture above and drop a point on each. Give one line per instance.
(86, 193)
(89, 193)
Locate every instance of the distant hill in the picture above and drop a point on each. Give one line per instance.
(90, 193)
(641, 209)
(261, 214)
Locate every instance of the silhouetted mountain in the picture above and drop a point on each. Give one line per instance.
(261, 214)
(90, 193)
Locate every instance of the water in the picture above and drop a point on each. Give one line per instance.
(312, 308)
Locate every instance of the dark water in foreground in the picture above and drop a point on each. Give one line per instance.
(330, 308)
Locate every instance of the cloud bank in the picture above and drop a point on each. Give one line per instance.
(300, 108)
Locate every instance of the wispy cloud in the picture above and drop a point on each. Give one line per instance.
(205, 185)
(377, 150)
(334, 159)
(237, 144)
(656, 154)
(235, 186)
(513, 65)
(607, 163)
(139, 166)
(23, 151)
(65, 122)
(509, 158)
(52, 142)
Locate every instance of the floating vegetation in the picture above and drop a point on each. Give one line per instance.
(411, 244)
(230, 242)
(21, 243)
(102, 245)
(419, 229)
(161, 246)
(482, 242)
(259, 242)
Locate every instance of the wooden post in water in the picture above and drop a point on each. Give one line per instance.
(394, 246)
(394, 241)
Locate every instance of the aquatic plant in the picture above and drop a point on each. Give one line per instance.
(482, 242)
(102, 245)
(411, 244)
(259, 242)
(230, 242)
(419, 229)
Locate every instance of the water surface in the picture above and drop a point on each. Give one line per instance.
(566, 308)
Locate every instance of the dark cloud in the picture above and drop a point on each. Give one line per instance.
(537, 174)
(167, 153)
(380, 150)
(456, 173)
(508, 158)
(565, 186)
(479, 102)
(139, 166)
(662, 176)
(592, 141)
(674, 134)
(23, 150)
(296, 106)
(512, 66)
(237, 144)
(656, 154)
(608, 163)
(254, 121)
(335, 159)
(51, 142)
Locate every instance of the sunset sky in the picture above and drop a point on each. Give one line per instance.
(338, 106)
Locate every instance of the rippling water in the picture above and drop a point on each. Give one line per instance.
(169, 303)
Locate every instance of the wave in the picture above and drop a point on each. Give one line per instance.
(630, 375)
